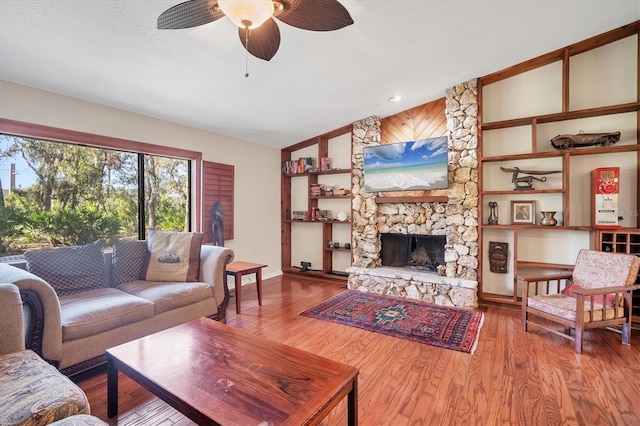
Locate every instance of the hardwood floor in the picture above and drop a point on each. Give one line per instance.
(514, 377)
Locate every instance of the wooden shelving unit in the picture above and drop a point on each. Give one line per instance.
(327, 268)
(531, 151)
(622, 241)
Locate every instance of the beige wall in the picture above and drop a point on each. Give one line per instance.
(257, 167)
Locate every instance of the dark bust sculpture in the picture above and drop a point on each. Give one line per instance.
(217, 225)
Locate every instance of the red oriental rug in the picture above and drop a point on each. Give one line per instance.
(442, 326)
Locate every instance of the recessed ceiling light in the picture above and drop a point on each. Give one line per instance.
(395, 98)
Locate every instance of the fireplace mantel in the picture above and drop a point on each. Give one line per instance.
(425, 199)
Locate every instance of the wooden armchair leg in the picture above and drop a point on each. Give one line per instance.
(626, 334)
(579, 335)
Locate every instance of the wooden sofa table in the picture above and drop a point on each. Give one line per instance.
(217, 374)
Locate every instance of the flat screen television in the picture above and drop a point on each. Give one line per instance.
(406, 166)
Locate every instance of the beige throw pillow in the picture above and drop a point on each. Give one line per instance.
(174, 256)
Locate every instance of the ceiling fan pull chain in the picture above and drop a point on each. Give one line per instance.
(246, 52)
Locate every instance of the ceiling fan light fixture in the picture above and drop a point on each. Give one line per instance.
(247, 13)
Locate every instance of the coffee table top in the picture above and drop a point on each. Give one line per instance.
(233, 377)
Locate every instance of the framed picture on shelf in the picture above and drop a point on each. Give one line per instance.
(523, 212)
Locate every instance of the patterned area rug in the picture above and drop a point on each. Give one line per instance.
(441, 326)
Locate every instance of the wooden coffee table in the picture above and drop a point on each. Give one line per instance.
(216, 374)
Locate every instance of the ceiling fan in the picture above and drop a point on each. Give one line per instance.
(258, 30)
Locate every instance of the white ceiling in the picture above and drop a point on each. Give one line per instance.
(110, 52)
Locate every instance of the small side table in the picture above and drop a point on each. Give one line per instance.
(238, 269)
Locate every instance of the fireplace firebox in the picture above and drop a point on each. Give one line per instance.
(423, 252)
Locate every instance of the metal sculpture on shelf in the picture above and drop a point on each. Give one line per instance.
(562, 142)
(526, 182)
(493, 214)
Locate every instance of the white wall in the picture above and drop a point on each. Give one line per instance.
(257, 167)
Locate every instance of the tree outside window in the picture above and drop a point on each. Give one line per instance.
(66, 194)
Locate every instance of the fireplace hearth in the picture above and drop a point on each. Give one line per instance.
(422, 252)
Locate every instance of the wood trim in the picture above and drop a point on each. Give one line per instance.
(566, 52)
(316, 139)
(522, 67)
(604, 38)
(566, 64)
(21, 128)
(31, 130)
(196, 167)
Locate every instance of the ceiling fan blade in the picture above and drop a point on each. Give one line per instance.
(189, 14)
(316, 15)
(264, 41)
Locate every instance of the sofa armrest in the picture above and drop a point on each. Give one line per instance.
(12, 329)
(44, 335)
(213, 270)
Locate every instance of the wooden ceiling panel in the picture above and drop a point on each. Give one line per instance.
(422, 122)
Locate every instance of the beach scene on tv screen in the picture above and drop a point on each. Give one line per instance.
(406, 166)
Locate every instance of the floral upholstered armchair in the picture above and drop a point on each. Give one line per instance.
(32, 392)
(599, 294)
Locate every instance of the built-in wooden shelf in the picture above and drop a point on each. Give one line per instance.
(533, 151)
(424, 199)
(523, 191)
(562, 116)
(546, 228)
(319, 172)
(568, 152)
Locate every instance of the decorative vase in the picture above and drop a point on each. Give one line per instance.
(548, 219)
(493, 215)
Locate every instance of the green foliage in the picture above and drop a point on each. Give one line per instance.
(126, 210)
(10, 226)
(71, 227)
(170, 215)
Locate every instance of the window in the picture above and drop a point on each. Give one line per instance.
(64, 192)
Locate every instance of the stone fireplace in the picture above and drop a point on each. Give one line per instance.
(455, 221)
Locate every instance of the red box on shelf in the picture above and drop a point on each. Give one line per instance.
(605, 188)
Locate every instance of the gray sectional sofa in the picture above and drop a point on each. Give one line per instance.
(80, 301)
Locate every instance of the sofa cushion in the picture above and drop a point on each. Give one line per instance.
(595, 269)
(564, 306)
(127, 261)
(174, 256)
(168, 295)
(70, 270)
(95, 311)
(33, 392)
